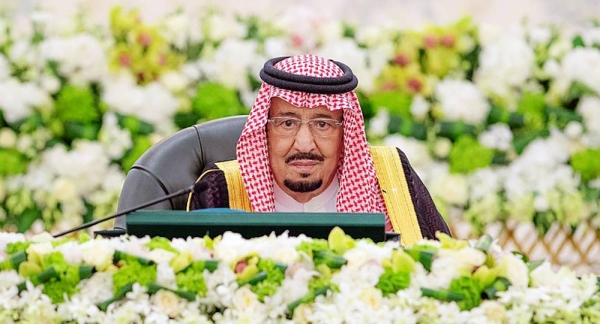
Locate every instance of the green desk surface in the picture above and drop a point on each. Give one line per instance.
(170, 224)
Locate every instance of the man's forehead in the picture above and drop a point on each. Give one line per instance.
(280, 107)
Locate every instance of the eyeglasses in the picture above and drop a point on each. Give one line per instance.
(289, 126)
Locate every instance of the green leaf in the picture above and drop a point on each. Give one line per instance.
(13, 261)
(586, 163)
(425, 257)
(397, 103)
(484, 243)
(158, 242)
(74, 130)
(103, 306)
(308, 298)
(500, 115)
(76, 104)
(118, 256)
(443, 295)
(532, 265)
(521, 140)
(13, 162)
(468, 155)
(407, 127)
(153, 288)
(500, 284)
(532, 106)
(135, 125)
(254, 279)
(368, 111)
(183, 120)
(391, 282)
(455, 129)
(578, 41)
(214, 101)
(329, 258)
(26, 219)
(140, 145)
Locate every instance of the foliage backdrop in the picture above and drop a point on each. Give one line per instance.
(499, 126)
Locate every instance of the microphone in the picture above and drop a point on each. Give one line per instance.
(197, 187)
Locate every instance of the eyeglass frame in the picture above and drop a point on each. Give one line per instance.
(299, 122)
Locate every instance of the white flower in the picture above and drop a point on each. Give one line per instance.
(229, 248)
(49, 83)
(173, 81)
(98, 253)
(497, 136)
(152, 103)
(484, 182)
(81, 310)
(442, 147)
(591, 36)
(560, 47)
(193, 245)
(574, 129)
(40, 249)
(114, 139)
(8, 138)
(415, 150)
(222, 27)
(514, 269)
(453, 188)
(489, 34)
(178, 28)
(373, 35)
(17, 99)
(159, 106)
(540, 35)
(302, 25)
(419, 107)
(22, 53)
(347, 51)
(98, 288)
(168, 303)
(378, 124)
(583, 65)
(589, 109)
(541, 167)
(4, 67)
(451, 264)
(64, 189)
(503, 64)
(190, 71)
(226, 66)
(461, 101)
(296, 283)
(81, 57)
(364, 253)
(72, 252)
(276, 47)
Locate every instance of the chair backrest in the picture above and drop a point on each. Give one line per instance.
(176, 162)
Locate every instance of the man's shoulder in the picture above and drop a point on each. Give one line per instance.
(390, 151)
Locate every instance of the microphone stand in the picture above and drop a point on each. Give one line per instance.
(132, 209)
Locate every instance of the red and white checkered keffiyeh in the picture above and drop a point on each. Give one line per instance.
(359, 190)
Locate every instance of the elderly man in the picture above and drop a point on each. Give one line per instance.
(304, 149)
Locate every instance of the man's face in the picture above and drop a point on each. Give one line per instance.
(303, 164)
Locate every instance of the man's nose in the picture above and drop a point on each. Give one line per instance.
(304, 140)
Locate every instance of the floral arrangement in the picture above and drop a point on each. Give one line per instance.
(500, 126)
(283, 279)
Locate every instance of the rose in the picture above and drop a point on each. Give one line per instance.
(167, 302)
(98, 253)
(514, 269)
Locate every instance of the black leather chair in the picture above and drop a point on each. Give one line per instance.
(176, 162)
